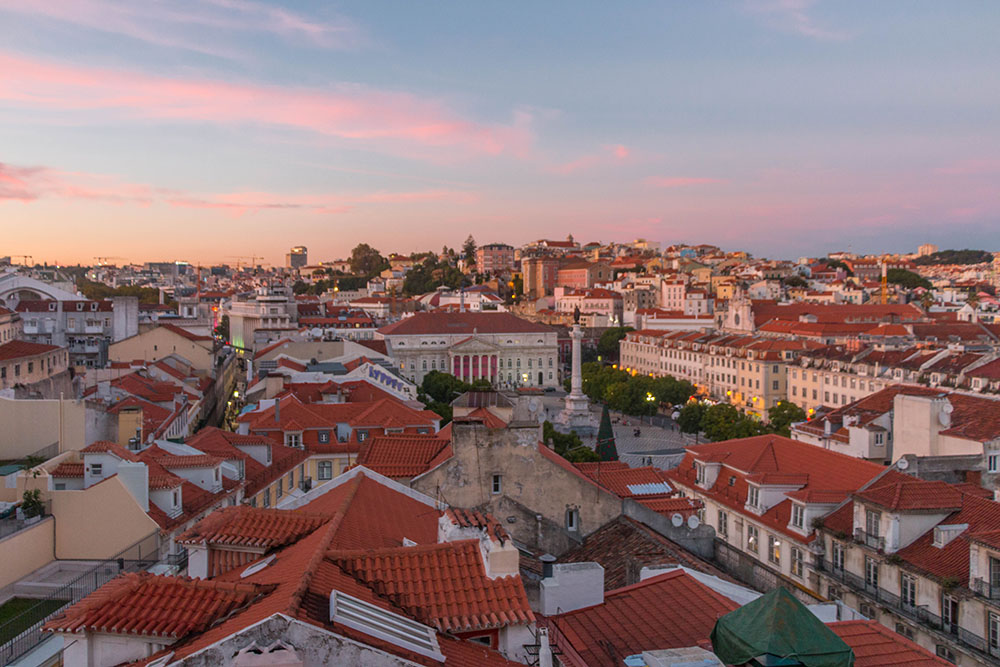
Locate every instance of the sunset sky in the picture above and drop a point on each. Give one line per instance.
(200, 130)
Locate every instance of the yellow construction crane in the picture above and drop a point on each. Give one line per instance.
(253, 259)
(885, 284)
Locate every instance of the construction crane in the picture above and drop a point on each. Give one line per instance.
(104, 260)
(24, 259)
(885, 284)
(253, 259)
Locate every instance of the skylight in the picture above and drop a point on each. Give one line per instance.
(649, 489)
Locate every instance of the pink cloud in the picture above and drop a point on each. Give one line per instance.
(678, 181)
(975, 167)
(611, 154)
(188, 24)
(385, 120)
(29, 184)
(793, 16)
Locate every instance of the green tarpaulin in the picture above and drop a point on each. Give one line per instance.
(777, 625)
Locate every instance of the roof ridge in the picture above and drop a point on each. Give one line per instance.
(310, 570)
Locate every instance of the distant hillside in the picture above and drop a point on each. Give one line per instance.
(955, 257)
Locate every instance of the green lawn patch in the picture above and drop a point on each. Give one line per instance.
(19, 614)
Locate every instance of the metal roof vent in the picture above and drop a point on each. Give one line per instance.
(386, 625)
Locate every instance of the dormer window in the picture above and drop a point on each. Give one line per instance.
(753, 496)
(798, 515)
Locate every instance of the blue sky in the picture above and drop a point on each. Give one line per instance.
(200, 129)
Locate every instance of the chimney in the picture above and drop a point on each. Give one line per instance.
(277, 411)
(544, 648)
(134, 476)
(572, 586)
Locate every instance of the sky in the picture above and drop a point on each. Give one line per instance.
(206, 130)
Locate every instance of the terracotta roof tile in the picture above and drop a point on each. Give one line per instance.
(252, 527)
(875, 645)
(637, 618)
(155, 606)
(899, 492)
(17, 349)
(67, 469)
(624, 546)
(444, 584)
(626, 482)
(400, 456)
(439, 322)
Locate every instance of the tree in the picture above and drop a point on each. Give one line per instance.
(442, 409)
(783, 415)
(837, 264)
(222, 328)
(431, 274)
(955, 257)
(691, 417)
(927, 300)
(907, 279)
(469, 251)
(606, 449)
(366, 260)
(31, 503)
(795, 280)
(720, 422)
(582, 454)
(608, 345)
(443, 387)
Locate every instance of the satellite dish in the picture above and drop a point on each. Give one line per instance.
(944, 417)
(948, 407)
(902, 464)
(677, 520)
(693, 522)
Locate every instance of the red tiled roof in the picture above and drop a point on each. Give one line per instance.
(184, 333)
(899, 492)
(473, 519)
(400, 455)
(624, 546)
(875, 645)
(108, 447)
(626, 482)
(169, 460)
(439, 322)
(817, 469)
(247, 526)
(17, 349)
(155, 606)
(67, 469)
(952, 560)
(671, 610)
(443, 584)
(974, 418)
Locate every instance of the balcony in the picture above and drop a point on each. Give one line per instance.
(948, 631)
(985, 589)
(868, 539)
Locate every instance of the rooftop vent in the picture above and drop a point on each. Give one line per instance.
(386, 625)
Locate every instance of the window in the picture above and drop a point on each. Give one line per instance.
(752, 537)
(722, 527)
(699, 474)
(774, 385)
(753, 496)
(362, 436)
(946, 653)
(993, 463)
(293, 439)
(573, 520)
(497, 487)
(325, 470)
(993, 630)
(324, 437)
(797, 562)
(798, 515)
(267, 498)
(872, 519)
(871, 572)
(949, 613)
(905, 630)
(994, 572)
(31, 367)
(774, 549)
(908, 589)
(280, 489)
(96, 469)
(833, 593)
(880, 438)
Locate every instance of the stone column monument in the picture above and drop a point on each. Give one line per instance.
(576, 414)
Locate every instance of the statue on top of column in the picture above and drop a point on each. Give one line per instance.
(576, 315)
